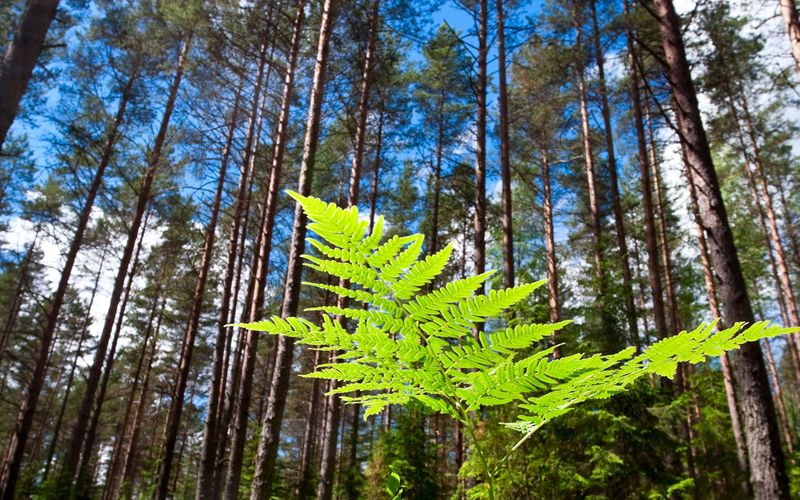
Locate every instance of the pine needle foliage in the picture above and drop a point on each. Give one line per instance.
(411, 345)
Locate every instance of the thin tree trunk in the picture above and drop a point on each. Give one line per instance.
(505, 152)
(767, 468)
(779, 405)
(279, 385)
(616, 203)
(437, 177)
(91, 431)
(666, 261)
(19, 291)
(591, 175)
(550, 247)
(480, 149)
(373, 195)
(72, 458)
(130, 455)
(114, 473)
(210, 429)
(309, 435)
(73, 368)
(16, 449)
(792, 21)
(20, 58)
(187, 349)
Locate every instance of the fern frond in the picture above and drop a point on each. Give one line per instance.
(421, 273)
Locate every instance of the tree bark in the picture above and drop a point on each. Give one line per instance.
(16, 449)
(279, 385)
(550, 247)
(727, 373)
(72, 458)
(616, 203)
(792, 21)
(20, 58)
(480, 149)
(767, 468)
(505, 152)
(91, 431)
(591, 175)
(210, 430)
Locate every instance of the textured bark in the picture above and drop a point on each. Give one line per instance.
(187, 348)
(480, 149)
(505, 152)
(616, 202)
(591, 174)
(16, 449)
(279, 385)
(767, 468)
(114, 475)
(72, 458)
(20, 58)
(550, 247)
(241, 403)
(792, 21)
(210, 429)
(727, 372)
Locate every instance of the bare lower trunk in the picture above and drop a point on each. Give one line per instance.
(550, 247)
(779, 405)
(727, 372)
(591, 176)
(505, 153)
(210, 429)
(480, 149)
(20, 58)
(616, 202)
(767, 468)
(279, 385)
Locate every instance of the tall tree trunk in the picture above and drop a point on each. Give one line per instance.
(73, 368)
(176, 406)
(279, 385)
(779, 404)
(505, 152)
(767, 468)
(651, 239)
(550, 246)
(727, 373)
(792, 21)
(666, 261)
(91, 430)
(16, 449)
(20, 58)
(591, 174)
(616, 202)
(373, 195)
(114, 475)
(309, 435)
(72, 458)
(437, 176)
(480, 148)
(130, 454)
(210, 430)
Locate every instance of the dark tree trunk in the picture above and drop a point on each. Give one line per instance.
(279, 385)
(16, 449)
(767, 468)
(210, 429)
(550, 246)
(616, 203)
(480, 147)
(20, 58)
(505, 152)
